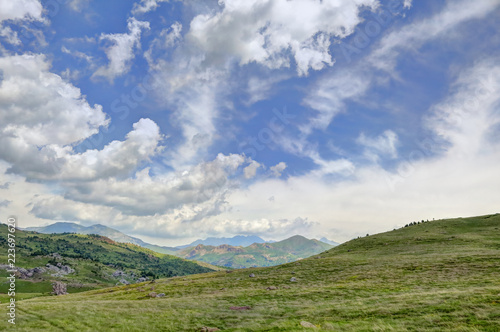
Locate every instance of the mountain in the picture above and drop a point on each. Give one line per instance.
(113, 234)
(85, 261)
(440, 276)
(256, 254)
(237, 241)
(325, 240)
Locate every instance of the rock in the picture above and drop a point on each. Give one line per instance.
(252, 275)
(59, 265)
(160, 295)
(152, 294)
(229, 271)
(286, 287)
(59, 288)
(142, 279)
(123, 281)
(118, 273)
(293, 272)
(66, 269)
(293, 279)
(272, 288)
(307, 324)
(38, 270)
(209, 329)
(240, 308)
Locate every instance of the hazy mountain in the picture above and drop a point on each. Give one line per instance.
(92, 260)
(325, 240)
(256, 254)
(237, 241)
(113, 234)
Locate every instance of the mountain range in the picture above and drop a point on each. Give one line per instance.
(257, 254)
(235, 252)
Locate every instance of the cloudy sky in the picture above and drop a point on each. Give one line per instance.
(176, 120)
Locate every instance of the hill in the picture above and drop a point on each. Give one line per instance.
(434, 276)
(84, 262)
(113, 234)
(256, 254)
(236, 241)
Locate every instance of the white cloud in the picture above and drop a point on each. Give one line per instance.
(463, 119)
(149, 195)
(39, 108)
(146, 6)
(265, 31)
(407, 3)
(461, 180)
(121, 52)
(251, 170)
(21, 10)
(276, 170)
(384, 145)
(330, 94)
(78, 5)
(442, 24)
(9, 35)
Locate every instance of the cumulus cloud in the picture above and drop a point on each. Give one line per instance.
(43, 117)
(276, 170)
(40, 108)
(267, 32)
(21, 10)
(251, 170)
(145, 6)
(149, 195)
(121, 52)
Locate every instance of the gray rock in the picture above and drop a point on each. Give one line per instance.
(307, 324)
(252, 275)
(293, 279)
(118, 273)
(272, 288)
(141, 279)
(123, 281)
(59, 288)
(160, 295)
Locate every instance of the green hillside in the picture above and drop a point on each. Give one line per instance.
(93, 258)
(257, 254)
(434, 276)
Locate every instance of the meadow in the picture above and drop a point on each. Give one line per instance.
(440, 275)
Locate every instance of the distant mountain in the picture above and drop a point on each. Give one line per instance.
(256, 254)
(237, 241)
(325, 240)
(87, 261)
(113, 234)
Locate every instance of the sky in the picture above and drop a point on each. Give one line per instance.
(178, 120)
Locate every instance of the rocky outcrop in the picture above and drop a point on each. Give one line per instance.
(59, 288)
(59, 270)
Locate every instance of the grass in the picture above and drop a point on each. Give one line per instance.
(436, 276)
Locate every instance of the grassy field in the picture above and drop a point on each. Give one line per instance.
(437, 276)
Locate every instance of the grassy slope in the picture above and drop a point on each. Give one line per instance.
(437, 276)
(94, 258)
(257, 254)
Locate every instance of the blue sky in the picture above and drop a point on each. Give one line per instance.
(175, 120)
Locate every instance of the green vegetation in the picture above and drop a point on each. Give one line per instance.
(257, 254)
(434, 276)
(93, 257)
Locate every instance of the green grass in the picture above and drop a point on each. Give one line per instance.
(437, 276)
